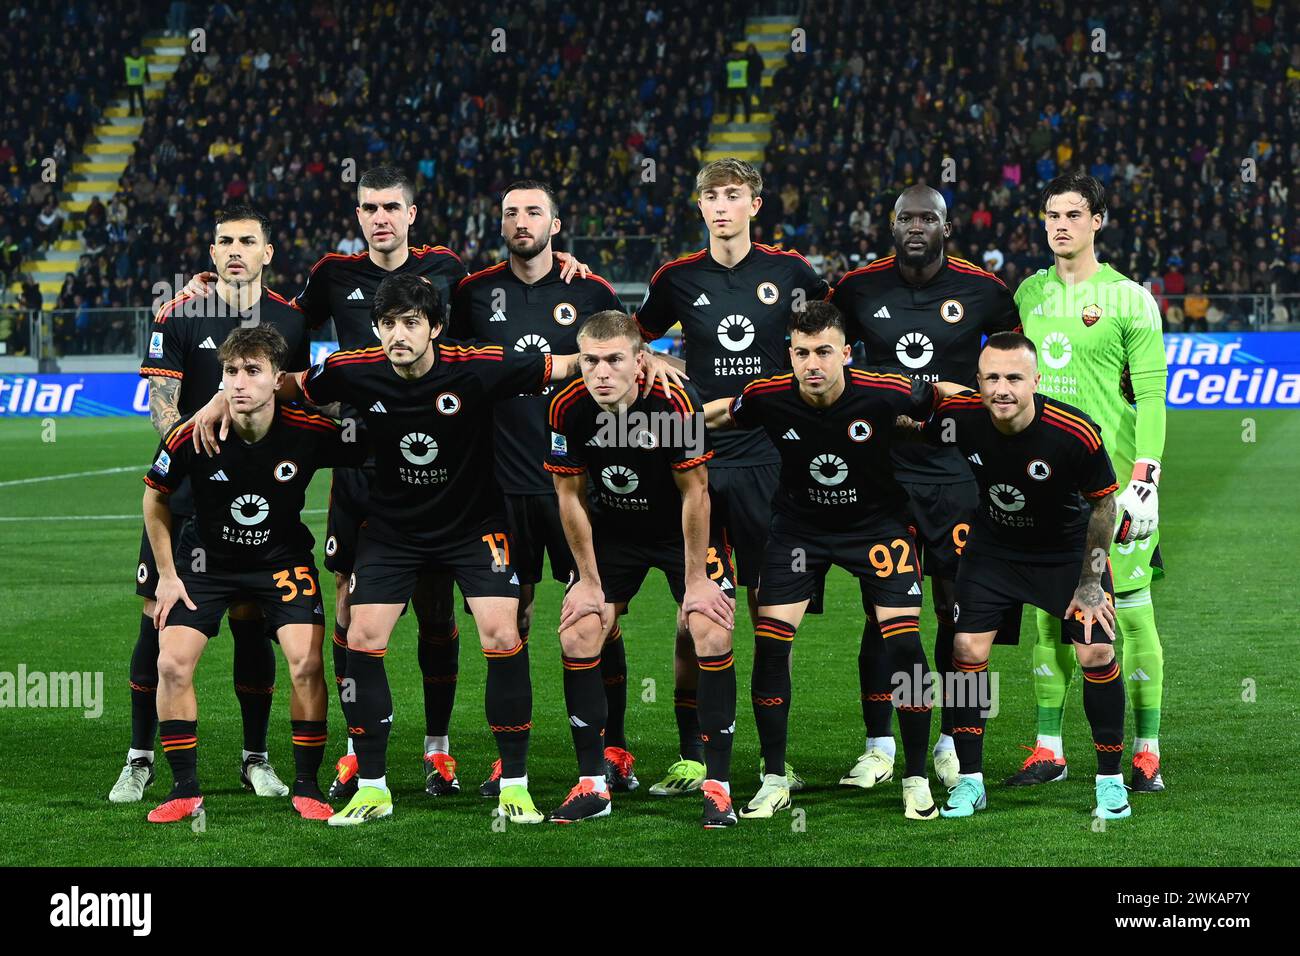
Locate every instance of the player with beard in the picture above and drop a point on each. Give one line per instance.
(183, 371)
(925, 314)
(342, 288)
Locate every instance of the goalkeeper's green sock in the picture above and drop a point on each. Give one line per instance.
(1054, 665)
(1143, 660)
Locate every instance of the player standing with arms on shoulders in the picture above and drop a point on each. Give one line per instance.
(525, 305)
(925, 314)
(733, 300)
(1040, 537)
(1090, 324)
(183, 371)
(645, 457)
(837, 503)
(248, 527)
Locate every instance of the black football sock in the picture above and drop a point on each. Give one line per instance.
(970, 689)
(254, 679)
(509, 706)
(370, 716)
(686, 710)
(717, 713)
(584, 697)
(340, 645)
(902, 637)
(769, 687)
(943, 637)
(144, 686)
(439, 655)
(180, 742)
(873, 682)
(613, 672)
(308, 752)
(1103, 704)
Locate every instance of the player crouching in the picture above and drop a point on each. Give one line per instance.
(246, 542)
(1040, 537)
(649, 508)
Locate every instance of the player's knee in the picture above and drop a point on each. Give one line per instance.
(362, 637)
(498, 634)
(175, 670)
(1094, 655)
(583, 639)
(711, 640)
(307, 670)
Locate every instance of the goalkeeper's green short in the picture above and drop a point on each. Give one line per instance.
(1136, 565)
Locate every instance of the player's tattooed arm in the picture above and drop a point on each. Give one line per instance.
(158, 525)
(586, 596)
(164, 393)
(1090, 597)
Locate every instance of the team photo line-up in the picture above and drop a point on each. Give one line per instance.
(518, 414)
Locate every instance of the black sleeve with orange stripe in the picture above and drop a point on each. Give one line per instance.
(690, 447)
(1096, 473)
(655, 314)
(169, 341)
(565, 455)
(511, 373)
(322, 384)
(746, 409)
(951, 409)
(314, 299)
(171, 463)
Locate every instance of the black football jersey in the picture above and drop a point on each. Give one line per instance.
(188, 330)
(934, 332)
(495, 305)
(630, 456)
(432, 437)
(248, 498)
(1032, 484)
(734, 325)
(343, 288)
(836, 473)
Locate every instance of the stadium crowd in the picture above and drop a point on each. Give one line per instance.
(1189, 116)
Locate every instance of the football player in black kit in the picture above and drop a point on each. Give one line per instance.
(925, 314)
(1041, 536)
(837, 503)
(524, 304)
(644, 456)
(342, 288)
(183, 371)
(246, 542)
(732, 300)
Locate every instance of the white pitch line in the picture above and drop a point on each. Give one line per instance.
(136, 517)
(73, 474)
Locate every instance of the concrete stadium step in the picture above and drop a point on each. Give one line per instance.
(110, 149)
(98, 169)
(756, 139)
(67, 245)
(758, 122)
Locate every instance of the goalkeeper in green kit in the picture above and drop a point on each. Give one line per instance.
(1092, 326)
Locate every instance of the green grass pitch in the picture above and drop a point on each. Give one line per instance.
(1227, 616)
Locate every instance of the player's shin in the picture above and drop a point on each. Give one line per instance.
(686, 701)
(770, 689)
(908, 669)
(339, 644)
(613, 673)
(254, 675)
(1103, 704)
(144, 689)
(873, 683)
(439, 657)
(1143, 664)
(509, 706)
(308, 753)
(1054, 664)
(180, 743)
(584, 697)
(370, 714)
(944, 633)
(718, 713)
(969, 686)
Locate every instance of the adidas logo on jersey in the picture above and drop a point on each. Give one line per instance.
(498, 316)
(1139, 674)
(974, 459)
(355, 295)
(208, 343)
(220, 476)
(882, 313)
(914, 590)
(378, 407)
(1042, 670)
(792, 435)
(702, 300)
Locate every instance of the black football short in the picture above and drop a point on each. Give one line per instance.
(286, 595)
(349, 505)
(624, 560)
(740, 500)
(146, 571)
(941, 515)
(535, 531)
(988, 587)
(388, 564)
(883, 560)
